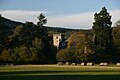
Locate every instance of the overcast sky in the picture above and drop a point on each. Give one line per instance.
(78, 14)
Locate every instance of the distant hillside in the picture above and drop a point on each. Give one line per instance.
(60, 30)
(11, 24)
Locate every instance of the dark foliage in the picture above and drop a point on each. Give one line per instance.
(103, 39)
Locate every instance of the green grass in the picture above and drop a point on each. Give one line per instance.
(54, 72)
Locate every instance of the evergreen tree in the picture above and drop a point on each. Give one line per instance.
(42, 20)
(103, 39)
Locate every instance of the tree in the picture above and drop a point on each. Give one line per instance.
(82, 45)
(23, 54)
(79, 48)
(42, 20)
(116, 36)
(65, 55)
(103, 39)
(4, 56)
(38, 43)
(26, 42)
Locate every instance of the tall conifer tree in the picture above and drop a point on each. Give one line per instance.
(103, 39)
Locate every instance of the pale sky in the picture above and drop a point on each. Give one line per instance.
(77, 14)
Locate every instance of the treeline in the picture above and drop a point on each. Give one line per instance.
(101, 44)
(29, 43)
(25, 43)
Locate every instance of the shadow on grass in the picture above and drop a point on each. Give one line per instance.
(51, 75)
(62, 77)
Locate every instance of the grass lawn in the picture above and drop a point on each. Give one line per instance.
(55, 72)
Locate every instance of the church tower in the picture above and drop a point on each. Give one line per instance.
(57, 38)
